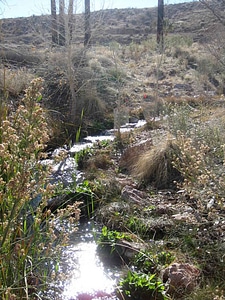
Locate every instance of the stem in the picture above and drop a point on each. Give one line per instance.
(9, 223)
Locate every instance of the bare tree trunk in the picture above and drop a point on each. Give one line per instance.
(54, 23)
(70, 74)
(70, 69)
(160, 39)
(62, 37)
(70, 21)
(87, 29)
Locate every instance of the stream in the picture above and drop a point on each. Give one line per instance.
(89, 278)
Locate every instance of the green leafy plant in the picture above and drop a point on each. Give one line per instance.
(79, 129)
(109, 237)
(138, 286)
(137, 226)
(86, 193)
(82, 156)
(151, 262)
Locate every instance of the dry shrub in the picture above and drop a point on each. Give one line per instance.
(14, 81)
(196, 101)
(99, 60)
(152, 109)
(98, 161)
(155, 165)
(61, 59)
(92, 104)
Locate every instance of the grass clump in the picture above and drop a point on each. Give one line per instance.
(155, 165)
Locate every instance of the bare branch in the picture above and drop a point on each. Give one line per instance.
(213, 10)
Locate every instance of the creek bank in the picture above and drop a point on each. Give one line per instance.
(157, 220)
(153, 220)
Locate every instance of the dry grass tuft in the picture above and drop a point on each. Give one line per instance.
(92, 104)
(155, 165)
(14, 81)
(132, 154)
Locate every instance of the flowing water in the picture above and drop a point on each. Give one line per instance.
(89, 278)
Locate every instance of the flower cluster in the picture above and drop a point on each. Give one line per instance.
(24, 246)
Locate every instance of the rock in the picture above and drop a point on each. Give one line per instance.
(183, 86)
(181, 278)
(127, 250)
(172, 72)
(185, 217)
(157, 227)
(133, 119)
(119, 252)
(164, 209)
(133, 196)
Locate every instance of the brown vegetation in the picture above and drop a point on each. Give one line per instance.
(155, 166)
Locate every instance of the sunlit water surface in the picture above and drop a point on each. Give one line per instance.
(88, 279)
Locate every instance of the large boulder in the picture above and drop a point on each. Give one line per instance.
(181, 278)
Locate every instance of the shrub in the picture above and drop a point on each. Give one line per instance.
(199, 179)
(13, 82)
(28, 252)
(179, 118)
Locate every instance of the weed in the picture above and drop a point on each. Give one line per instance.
(150, 261)
(137, 226)
(82, 156)
(142, 286)
(86, 194)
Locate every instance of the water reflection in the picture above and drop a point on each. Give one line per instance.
(89, 279)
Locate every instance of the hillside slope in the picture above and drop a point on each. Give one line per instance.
(121, 25)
